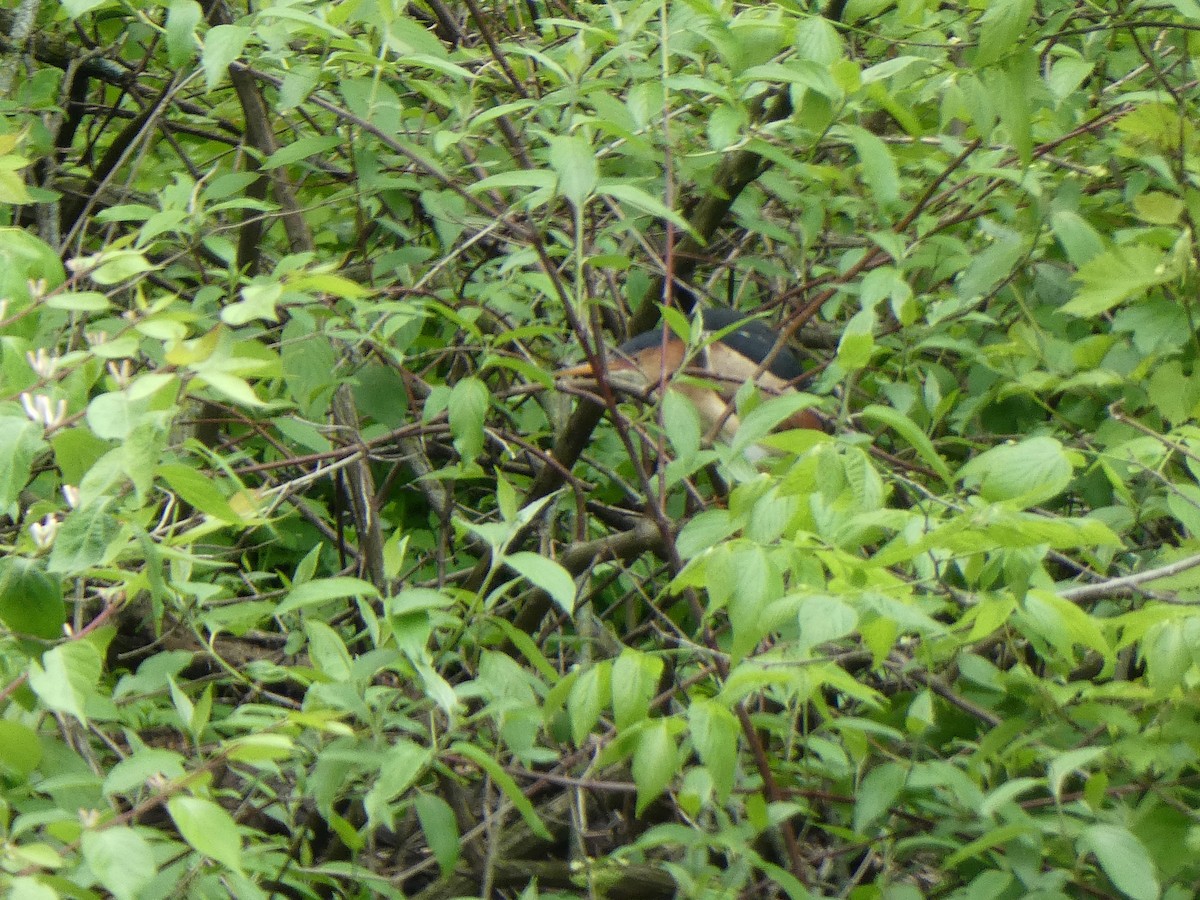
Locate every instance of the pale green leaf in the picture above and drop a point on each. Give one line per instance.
(574, 163)
(1080, 241)
(999, 28)
(818, 40)
(401, 766)
(878, 166)
(233, 387)
(655, 762)
(440, 828)
(83, 539)
(1025, 473)
(715, 732)
(182, 18)
(31, 602)
(467, 406)
(916, 438)
(876, 794)
(198, 490)
(208, 828)
(506, 784)
(822, 618)
(76, 8)
(121, 859)
(223, 44)
(324, 589)
(626, 193)
(634, 682)
(546, 574)
(67, 677)
(857, 343)
(992, 266)
(1124, 859)
(1120, 274)
(21, 442)
(589, 695)
(314, 145)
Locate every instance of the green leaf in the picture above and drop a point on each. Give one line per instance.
(725, 126)
(323, 590)
(199, 490)
(1013, 86)
(878, 167)
(823, 618)
(1168, 655)
(1067, 74)
(79, 301)
(546, 574)
(1079, 240)
(818, 40)
(857, 343)
(1027, 473)
(765, 418)
(1184, 503)
(876, 794)
(24, 257)
(506, 784)
(259, 301)
(655, 762)
(1158, 208)
(1000, 27)
(574, 162)
(806, 72)
(83, 539)
(682, 425)
(222, 45)
(21, 442)
(408, 37)
(112, 416)
(626, 193)
(1124, 860)
(260, 748)
(182, 18)
(714, 730)
(404, 762)
(208, 829)
(13, 189)
(525, 178)
(590, 694)
(440, 828)
(704, 531)
(994, 838)
(315, 145)
(634, 683)
(911, 433)
(30, 601)
(994, 265)
(20, 750)
(67, 677)
(111, 267)
(1068, 763)
(1119, 274)
(76, 8)
(236, 389)
(121, 859)
(1062, 624)
(467, 406)
(329, 654)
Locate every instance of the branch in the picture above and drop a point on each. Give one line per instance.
(1115, 587)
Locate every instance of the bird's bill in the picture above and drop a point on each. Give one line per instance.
(583, 370)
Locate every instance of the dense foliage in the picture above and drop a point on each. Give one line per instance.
(315, 582)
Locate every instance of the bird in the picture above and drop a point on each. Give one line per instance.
(731, 352)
